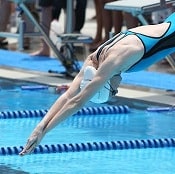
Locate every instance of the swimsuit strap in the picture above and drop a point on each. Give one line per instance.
(117, 37)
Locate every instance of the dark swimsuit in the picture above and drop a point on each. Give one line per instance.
(155, 48)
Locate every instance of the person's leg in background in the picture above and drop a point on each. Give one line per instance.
(111, 19)
(130, 21)
(106, 19)
(117, 18)
(46, 18)
(29, 26)
(5, 12)
(58, 5)
(99, 24)
(80, 14)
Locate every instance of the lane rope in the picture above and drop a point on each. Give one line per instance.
(93, 146)
(121, 109)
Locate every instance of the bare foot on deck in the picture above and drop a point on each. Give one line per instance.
(41, 52)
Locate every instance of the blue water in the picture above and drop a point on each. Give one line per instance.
(77, 129)
(135, 125)
(141, 161)
(12, 97)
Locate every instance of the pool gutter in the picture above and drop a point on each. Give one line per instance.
(129, 92)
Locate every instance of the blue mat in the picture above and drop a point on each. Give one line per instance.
(25, 61)
(150, 79)
(44, 64)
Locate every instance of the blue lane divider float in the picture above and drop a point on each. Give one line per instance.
(34, 87)
(84, 111)
(93, 146)
(161, 109)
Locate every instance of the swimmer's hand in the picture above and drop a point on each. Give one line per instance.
(33, 141)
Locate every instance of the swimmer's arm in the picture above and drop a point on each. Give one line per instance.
(69, 108)
(40, 130)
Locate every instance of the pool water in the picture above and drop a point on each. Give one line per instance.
(144, 161)
(14, 97)
(137, 124)
(77, 129)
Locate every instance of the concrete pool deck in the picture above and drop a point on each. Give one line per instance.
(125, 93)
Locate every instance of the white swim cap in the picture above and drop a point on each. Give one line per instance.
(89, 73)
(103, 94)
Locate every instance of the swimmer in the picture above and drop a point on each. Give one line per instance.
(133, 50)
